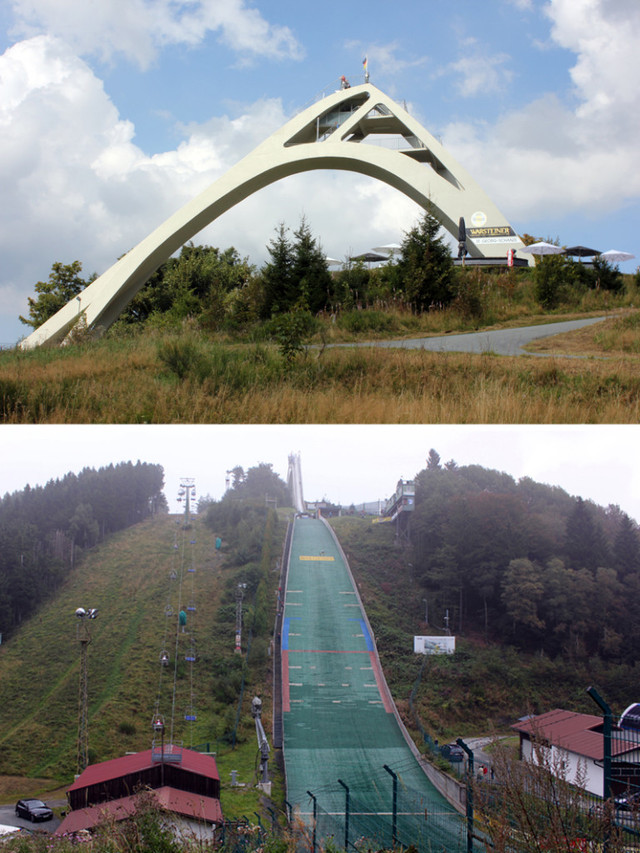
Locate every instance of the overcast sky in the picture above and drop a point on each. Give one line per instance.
(113, 113)
(342, 463)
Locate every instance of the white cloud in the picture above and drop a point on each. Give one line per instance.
(137, 29)
(554, 156)
(386, 60)
(480, 74)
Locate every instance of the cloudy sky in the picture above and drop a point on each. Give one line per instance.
(113, 113)
(346, 464)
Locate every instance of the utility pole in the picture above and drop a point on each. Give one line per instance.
(83, 635)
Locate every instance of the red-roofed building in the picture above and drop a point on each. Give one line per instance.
(572, 744)
(181, 780)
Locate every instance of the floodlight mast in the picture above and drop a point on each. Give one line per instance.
(83, 635)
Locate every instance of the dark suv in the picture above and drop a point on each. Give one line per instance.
(452, 752)
(33, 810)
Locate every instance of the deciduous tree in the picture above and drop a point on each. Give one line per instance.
(63, 284)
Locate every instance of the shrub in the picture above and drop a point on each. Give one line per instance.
(180, 356)
(606, 276)
(552, 280)
(292, 330)
(470, 294)
(366, 321)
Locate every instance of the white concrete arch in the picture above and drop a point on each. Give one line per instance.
(343, 131)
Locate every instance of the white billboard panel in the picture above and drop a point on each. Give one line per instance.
(434, 645)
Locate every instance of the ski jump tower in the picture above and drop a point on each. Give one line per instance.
(294, 481)
(342, 131)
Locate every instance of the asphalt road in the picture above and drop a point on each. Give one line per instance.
(500, 341)
(8, 818)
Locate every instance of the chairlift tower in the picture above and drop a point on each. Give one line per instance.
(83, 635)
(187, 493)
(239, 598)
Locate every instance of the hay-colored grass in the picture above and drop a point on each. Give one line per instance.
(190, 378)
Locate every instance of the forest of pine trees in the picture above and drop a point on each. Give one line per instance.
(42, 528)
(524, 563)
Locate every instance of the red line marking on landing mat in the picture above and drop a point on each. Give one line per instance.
(330, 652)
(375, 666)
(286, 702)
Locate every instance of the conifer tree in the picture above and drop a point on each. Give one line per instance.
(277, 274)
(310, 271)
(425, 269)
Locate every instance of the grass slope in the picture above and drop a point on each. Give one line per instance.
(128, 579)
(192, 377)
(483, 687)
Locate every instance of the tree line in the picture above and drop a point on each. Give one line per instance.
(224, 291)
(220, 291)
(41, 528)
(524, 563)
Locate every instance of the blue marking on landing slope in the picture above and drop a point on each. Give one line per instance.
(285, 630)
(365, 631)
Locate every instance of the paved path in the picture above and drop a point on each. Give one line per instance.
(500, 341)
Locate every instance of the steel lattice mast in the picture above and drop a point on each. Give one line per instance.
(84, 638)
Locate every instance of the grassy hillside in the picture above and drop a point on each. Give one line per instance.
(479, 690)
(192, 376)
(482, 688)
(128, 579)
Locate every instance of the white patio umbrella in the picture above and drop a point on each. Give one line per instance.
(543, 248)
(612, 256)
(389, 249)
(331, 262)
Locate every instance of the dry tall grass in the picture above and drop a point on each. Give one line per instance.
(189, 379)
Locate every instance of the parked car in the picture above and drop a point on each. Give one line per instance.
(452, 752)
(33, 810)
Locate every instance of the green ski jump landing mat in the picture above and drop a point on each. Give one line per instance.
(339, 723)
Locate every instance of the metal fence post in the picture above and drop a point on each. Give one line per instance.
(289, 810)
(470, 771)
(606, 738)
(394, 820)
(346, 815)
(607, 717)
(315, 821)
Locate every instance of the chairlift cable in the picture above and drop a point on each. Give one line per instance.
(168, 612)
(177, 641)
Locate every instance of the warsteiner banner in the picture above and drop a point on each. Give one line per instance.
(491, 231)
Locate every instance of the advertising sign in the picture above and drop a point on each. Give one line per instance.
(434, 645)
